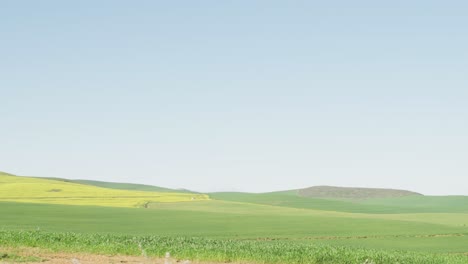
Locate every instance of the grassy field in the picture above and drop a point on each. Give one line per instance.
(262, 222)
(35, 190)
(409, 204)
(277, 227)
(219, 250)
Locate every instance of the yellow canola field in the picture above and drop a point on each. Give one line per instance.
(34, 190)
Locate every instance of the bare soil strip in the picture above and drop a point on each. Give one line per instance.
(48, 257)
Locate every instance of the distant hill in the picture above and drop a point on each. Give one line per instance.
(6, 174)
(118, 185)
(115, 185)
(124, 186)
(130, 186)
(351, 193)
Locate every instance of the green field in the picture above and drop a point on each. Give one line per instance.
(408, 204)
(280, 227)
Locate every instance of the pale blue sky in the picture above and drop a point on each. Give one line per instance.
(237, 95)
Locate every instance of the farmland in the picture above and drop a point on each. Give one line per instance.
(281, 227)
(218, 250)
(34, 190)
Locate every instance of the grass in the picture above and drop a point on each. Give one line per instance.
(34, 190)
(409, 204)
(227, 207)
(218, 250)
(212, 221)
(287, 199)
(425, 204)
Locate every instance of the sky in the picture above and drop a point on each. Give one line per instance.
(237, 95)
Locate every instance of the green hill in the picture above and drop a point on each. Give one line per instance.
(6, 174)
(126, 186)
(121, 186)
(352, 193)
(290, 199)
(409, 204)
(325, 198)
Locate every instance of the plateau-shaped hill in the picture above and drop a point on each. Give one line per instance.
(40, 190)
(352, 193)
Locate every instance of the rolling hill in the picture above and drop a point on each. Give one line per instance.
(37, 190)
(352, 193)
(117, 185)
(397, 205)
(32, 207)
(324, 198)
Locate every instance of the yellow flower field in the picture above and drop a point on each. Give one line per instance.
(35, 190)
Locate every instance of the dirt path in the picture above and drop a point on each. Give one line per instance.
(46, 257)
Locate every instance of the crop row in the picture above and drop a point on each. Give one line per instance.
(216, 250)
